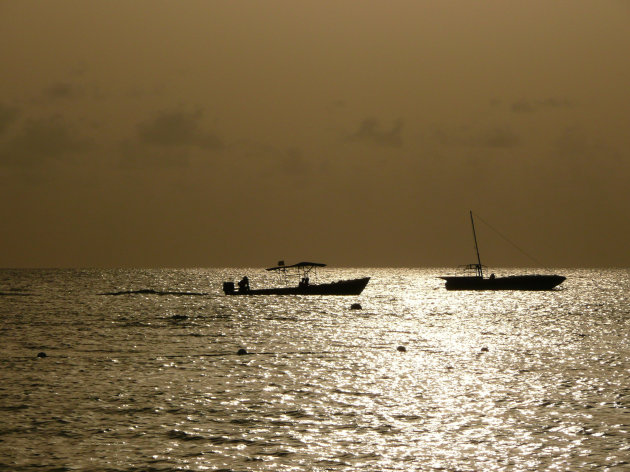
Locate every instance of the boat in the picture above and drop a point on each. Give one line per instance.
(478, 281)
(302, 270)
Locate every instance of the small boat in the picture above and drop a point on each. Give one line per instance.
(512, 282)
(302, 270)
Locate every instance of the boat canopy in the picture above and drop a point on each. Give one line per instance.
(299, 265)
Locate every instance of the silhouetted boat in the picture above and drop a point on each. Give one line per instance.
(302, 270)
(512, 282)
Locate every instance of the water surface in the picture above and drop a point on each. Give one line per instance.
(152, 381)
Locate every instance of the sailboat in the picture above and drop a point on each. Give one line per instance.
(513, 282)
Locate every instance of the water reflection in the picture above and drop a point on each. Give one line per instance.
(487, 381)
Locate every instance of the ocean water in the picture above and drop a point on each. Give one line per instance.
(152, 380)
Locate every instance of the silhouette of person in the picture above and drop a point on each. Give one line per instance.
(243, 285)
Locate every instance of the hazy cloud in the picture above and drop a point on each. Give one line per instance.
(498, 138)
(8, 116)
(167, 140)
(575, 142)
(177, 128)
(494, 138)
(255, 155)
(41, 140)
(530, 106)
(370, 130)
(61, 90)
(293, 163)
(137, 155)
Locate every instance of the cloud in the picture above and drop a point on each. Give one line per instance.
(262, 158)
(499, 137)
(293, 163)
(168, 140)
(177, 128)
(8, 116)
(42, 140)
(370, 131)
(61, 90)
(136, 155)
(575, 143)
(531, 106)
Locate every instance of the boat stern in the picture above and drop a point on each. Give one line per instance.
(228, 288)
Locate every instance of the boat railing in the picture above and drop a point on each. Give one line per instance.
(477, 268)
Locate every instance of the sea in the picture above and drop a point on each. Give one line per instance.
(158, 370)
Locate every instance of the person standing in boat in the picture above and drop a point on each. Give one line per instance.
(243, 285)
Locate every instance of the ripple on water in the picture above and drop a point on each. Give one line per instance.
(487, 381)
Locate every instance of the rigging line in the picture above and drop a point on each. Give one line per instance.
(507, 240)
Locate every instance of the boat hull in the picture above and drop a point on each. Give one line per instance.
(513, 282)
(342, 287)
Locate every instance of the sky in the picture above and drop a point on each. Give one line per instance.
(209, 133)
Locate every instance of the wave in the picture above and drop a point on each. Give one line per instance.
(185, 436)
(150, 291)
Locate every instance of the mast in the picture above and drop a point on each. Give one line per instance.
(479, 269)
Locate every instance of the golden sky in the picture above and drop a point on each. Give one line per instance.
(356, 133)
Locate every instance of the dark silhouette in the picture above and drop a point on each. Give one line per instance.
(304, 287)
(243, 285)
(513, 282)
(150, 291)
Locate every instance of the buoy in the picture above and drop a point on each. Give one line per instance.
(355, 306)
(401, 349)
(241, 352)
(41, 354)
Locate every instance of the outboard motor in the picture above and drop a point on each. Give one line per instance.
(228, 288)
